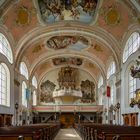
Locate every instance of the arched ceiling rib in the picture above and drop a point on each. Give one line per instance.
(44, 32)
(43, 60)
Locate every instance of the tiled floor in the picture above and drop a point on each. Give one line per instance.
(67, 134)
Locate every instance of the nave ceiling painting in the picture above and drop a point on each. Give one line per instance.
(67, 10)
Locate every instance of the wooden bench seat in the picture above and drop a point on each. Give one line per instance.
(107, 132)
(30, 132)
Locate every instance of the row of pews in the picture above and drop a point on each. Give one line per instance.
(91, 131)
(30, 132)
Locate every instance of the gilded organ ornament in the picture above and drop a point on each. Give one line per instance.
(67, 77)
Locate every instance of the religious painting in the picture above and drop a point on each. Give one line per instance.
(62, 42)
(67, 10)
(88, 91)
(68, 61)
(47, 89)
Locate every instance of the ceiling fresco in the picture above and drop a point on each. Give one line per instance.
(46, 66)
(34, 51)
(92, 68)
(101, 52)
(70, 10)
(20, 18)
(23, 16)
(67, 61)
(113, 16)
(62, 42)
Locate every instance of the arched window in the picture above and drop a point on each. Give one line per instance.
(132, 45)
(5, 48)
(4, 85)
(34, 98)
(100, 82)
(24, 70)
(24, 98)
(131, 87)
(111, 69)
(34, 82)
(112, 94)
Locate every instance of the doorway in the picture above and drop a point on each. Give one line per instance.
(67, 120)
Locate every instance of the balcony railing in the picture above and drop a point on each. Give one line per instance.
(67, 92)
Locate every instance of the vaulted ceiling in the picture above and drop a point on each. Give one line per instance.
(38, 37)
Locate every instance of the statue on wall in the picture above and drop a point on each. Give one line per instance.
(88, 91)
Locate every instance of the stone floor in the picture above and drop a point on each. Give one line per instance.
(67, 134)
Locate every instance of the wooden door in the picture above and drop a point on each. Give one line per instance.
(67, 120)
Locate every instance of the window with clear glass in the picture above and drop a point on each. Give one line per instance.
(34, 98)
(111, 69)
(24, 98)
(24, 70)
(131, 87)
(100, 82)
(112, 94)
(5, 48)
(132, 45)
(4, 85)
(34, 82)
(100, 99)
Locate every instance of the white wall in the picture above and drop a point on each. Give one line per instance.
(125, 108)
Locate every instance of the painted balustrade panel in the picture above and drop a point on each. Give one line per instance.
(68, 108)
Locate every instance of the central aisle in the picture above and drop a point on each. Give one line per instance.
(67, 134)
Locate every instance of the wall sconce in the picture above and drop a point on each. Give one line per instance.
(111, 108)
(116, 107)
(16, 108)
(105, 110)
(16, 105)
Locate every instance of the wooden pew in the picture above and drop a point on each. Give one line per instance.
(17, 133)
(120, 137)
(107, 132)
(30, 132)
